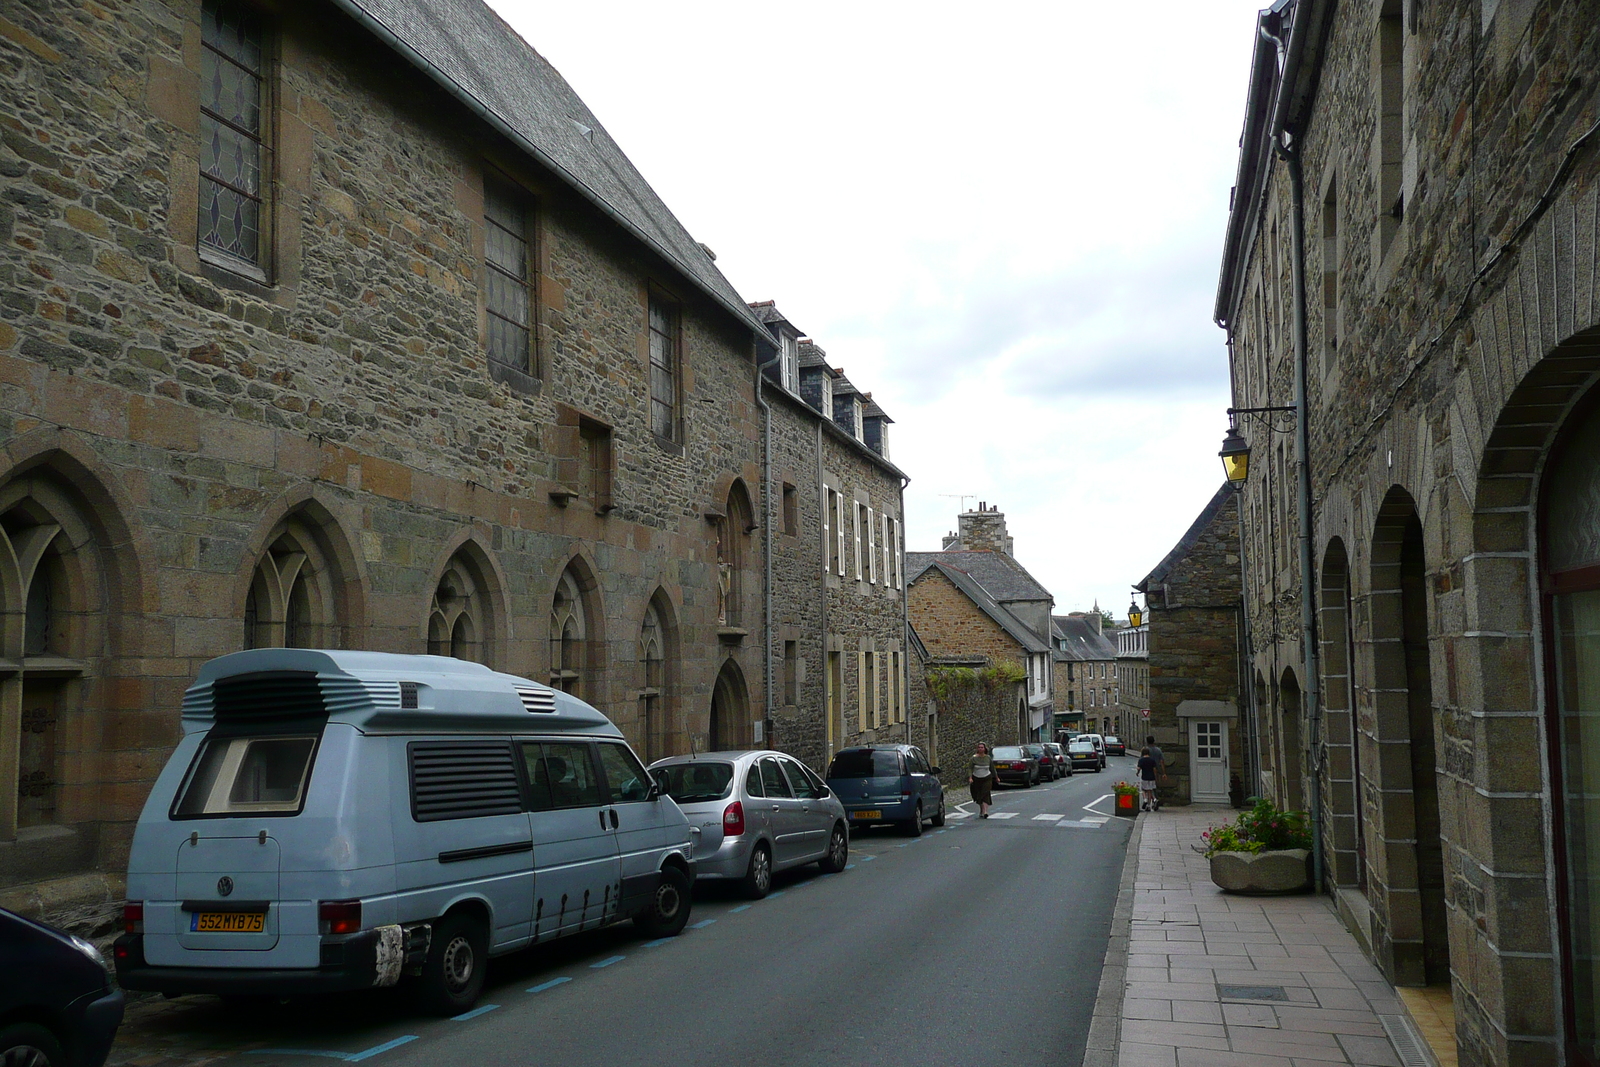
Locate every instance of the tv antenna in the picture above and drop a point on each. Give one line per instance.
(963, 497)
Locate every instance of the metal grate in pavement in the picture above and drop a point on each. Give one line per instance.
(1251, 992)
(1405, 1041)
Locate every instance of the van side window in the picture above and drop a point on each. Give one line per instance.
(463, 780)
(624, 776)
(772, 778)
(538, 779)
(752, 781)
(571, 773)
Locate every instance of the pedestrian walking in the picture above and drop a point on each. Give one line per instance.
(980, 778)
(1147, 781)
(1161, 765)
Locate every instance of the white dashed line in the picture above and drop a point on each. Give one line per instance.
(1047, 818)
(1003, 814)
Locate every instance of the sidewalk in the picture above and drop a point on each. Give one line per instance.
(1210, 979)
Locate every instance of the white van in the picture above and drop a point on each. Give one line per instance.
(340, 820)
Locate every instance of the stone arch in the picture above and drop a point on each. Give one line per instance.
(730, 709)
(304, 581)
(734, 554)
(576, 633)
(1291, 756)
(465, 616)
(659, 728)
(1398, 702)
(1345, 848)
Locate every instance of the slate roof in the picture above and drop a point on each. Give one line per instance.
(1188, 540)
(873, 411)
(963, 581)
(480, 60)
(812, 355)
(1083, 644)
(1004, 578)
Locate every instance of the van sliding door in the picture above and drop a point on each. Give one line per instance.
(576, 883)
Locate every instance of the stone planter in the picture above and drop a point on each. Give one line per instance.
(1128, 805)
(1284, 871)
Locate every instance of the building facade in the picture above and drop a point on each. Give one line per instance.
(306, 344)
(1411, 261)
(1133, 680)
(1084, 663)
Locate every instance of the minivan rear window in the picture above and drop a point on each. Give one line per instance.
(688, 783)
(865, 763)
(248, 776)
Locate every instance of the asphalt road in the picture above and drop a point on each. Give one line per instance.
(978, 944)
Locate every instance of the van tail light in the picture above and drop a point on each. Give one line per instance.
(133, 917)
(339, 916)
(905, 796)
(733, 819)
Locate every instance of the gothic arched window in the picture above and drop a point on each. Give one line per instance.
(454, 622)
(290, 602)
(568, 635)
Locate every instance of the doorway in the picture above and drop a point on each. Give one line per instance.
(1208, 743)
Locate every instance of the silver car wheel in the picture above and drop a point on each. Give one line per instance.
(758, 881)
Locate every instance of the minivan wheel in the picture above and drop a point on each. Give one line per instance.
(758, 877)
(452, 976)
(938, 818)
(914, 827)
(30, 1045)
(838, 852)
(668, 912)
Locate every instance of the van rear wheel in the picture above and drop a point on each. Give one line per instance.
(452, 977)
(668, 911)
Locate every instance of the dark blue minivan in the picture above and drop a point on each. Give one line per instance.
(887, 784)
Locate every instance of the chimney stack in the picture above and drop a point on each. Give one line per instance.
(985, 529)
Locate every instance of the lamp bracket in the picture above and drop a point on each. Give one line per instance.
(1267, 416)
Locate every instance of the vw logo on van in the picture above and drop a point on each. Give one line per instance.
(224, 886)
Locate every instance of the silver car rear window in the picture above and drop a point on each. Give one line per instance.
(688, 783)
(248, 776)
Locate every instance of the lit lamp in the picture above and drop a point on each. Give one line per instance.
(1235, 458)
(1135, 616)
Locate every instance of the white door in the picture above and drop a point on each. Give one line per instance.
(1208, 741)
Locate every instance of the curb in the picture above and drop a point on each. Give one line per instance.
(1105, 1028)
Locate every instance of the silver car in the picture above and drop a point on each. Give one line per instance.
(754, 813)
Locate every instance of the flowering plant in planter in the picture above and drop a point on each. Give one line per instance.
(1263, 828)
(1125, 789)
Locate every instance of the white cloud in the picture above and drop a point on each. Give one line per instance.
(1005, 221)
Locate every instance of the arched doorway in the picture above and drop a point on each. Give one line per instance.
(1401, 700)
(1291, 757)
(730, 705)
(1340, 729)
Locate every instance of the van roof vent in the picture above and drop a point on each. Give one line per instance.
(539, 701)
(408, 695)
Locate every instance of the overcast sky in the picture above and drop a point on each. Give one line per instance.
(1003, 220)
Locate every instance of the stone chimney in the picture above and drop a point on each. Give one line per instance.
(948, 540)
(984, 529)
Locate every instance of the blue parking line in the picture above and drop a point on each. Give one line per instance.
(607, 962)
(779, 893)
(702, 924)
(741, 907)
(849, 866)
(656, 942)
(542, 986)
(347, 1057)
(868, 859)
(474, 1013)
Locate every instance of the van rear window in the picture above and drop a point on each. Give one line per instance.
(248, 776)
(866, 763)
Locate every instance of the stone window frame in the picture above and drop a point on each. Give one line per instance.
(855, 514)
(872, 548)
(671, 333)
(261, 271)
(790, 496)
(530, 377)
(838, 533)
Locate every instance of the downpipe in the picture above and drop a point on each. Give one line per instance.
(766, 542)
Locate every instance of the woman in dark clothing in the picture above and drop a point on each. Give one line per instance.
(980, 777)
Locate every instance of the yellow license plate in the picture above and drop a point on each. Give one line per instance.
(229, 922)
(866, 814)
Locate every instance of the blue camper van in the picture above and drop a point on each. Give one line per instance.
(341, 820)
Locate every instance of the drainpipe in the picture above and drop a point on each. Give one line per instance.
(822, 590)
(1287, 147)
(905, 615)
(766, 535)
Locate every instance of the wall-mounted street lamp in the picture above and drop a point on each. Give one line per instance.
(1235, 451)
(1135, 616)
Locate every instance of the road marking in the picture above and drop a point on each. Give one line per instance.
(848, 867)
(474, 1013)
(347, 1057)
(1047, 818)
(607, 962)
(702, 924)
(868, 859)
(746, 907)
(1091, 805)
(1003, 814)
(1098, 820)
(542, 986)
(779, 893)
(959, 815)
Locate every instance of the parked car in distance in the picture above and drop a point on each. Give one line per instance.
(1058, 754)
(1115, 746)
(888, 784)
(57, 1004)
(1082, 753)
(1099, 746)
(756, 813)
(1047, 766)
(1013, 764)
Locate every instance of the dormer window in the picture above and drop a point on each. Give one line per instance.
(789, 363)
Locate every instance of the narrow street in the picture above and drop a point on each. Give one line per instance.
(980, 942)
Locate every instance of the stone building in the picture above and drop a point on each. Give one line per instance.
(1185, 656)
(347, 324)
(1133, 680)
(1084, 664)
(1413, 237)
(839, 628)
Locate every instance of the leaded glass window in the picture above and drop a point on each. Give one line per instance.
(232, 141)
(663, 368)
(505, 251)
